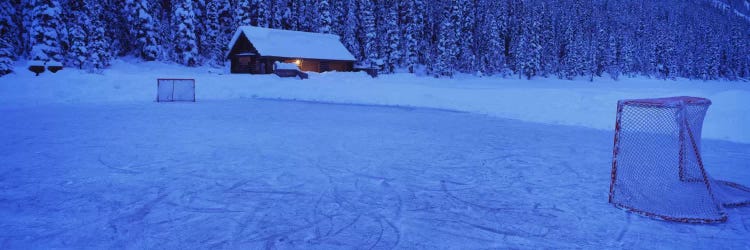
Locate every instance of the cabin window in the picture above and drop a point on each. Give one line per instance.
(244, 60)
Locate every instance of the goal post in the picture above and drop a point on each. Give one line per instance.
(175, 90)
(657, 167)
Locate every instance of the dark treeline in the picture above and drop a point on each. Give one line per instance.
(558, 38)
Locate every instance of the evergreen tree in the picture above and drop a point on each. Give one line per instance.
(447, 47)
(8, 27)
(259, 14)
(78, 53)
(243, 13)
(465, 41)
(307, 16)
(326, 20)
(185, 47)
(77, 19)
(412, 19)
(529, 57)
(393, 43)
(567, 38)
(366, 33)
(98, 44)
(227, 26)
(278, 9)
(6, 55)
(144, 29)
(8, 32)
(214, 39)
(491, 57)
(290, 17)
(349, 33)
(44, 31)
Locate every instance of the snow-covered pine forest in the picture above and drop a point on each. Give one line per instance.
(696, 39)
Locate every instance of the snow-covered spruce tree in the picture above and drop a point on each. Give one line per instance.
(8, 24)
(199, 22)
(26, 12)
(548, 51)
(214, 41)
(78, 53)
(117, 27)
(144, 29)
(349, 33)
(306, 16)
(8, 32)
(325, 18)
(413, 21)
(338, 16)
(100, 57)
(259, 15)
(228, 27)
(45, 44)
(6, 55)
(98, 44)
(76, 19)
(529, 46)
(366, 33)
(243, 13)
(290, 17)
(380, 12)
(466, 61)
(447, 47)
(185, 47)
(393, 44)
(277, 14)
(492, 57)
(739, 55)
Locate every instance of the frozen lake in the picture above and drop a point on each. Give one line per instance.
(253, 174)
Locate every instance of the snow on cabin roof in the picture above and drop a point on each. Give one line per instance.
(293, 44)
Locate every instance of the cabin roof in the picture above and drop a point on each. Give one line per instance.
(293, 44)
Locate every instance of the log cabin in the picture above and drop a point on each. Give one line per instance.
(254, 50)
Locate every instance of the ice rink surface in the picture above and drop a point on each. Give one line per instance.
(261, 174)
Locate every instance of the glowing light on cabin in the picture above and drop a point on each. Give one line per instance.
(298, 62)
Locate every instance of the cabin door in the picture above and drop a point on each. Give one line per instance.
(244, 64)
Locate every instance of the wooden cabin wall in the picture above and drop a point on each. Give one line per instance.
(310, 65)
(341, 66)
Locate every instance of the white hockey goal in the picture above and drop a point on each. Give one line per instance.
(175, 90)
(657, 168)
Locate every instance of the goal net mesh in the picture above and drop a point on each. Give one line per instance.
(175, 90)
(657, 169)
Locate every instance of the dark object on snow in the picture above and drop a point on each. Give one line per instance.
(36, 67)
(302, 75)
(54, 66)
(291, 73)
(288, 70)
(370, 70)
(253, 51)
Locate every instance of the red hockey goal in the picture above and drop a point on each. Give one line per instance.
(657, 169)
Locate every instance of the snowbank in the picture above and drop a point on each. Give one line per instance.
(552, 101)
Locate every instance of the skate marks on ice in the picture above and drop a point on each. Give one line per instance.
(285, 175)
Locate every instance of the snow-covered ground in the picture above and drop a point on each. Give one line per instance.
(90, 161)
(551, 101)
